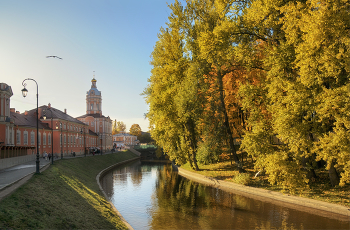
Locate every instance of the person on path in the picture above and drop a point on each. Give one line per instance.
(45, 155)
(49, 156)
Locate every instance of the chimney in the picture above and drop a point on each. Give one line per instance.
(26, 112)
(49, 106)
(65, 111)
(40, 111)
(12, 110)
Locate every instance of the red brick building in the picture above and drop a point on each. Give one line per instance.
(59, 132)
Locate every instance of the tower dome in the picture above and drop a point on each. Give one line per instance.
(93, 99)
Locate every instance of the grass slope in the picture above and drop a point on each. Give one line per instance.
(64, 196)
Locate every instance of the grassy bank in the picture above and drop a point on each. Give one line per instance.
(64, 196)
(320, 189)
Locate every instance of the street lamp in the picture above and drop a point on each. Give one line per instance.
(51, 133)
(24, 93)
(61, 137)
(100, 137)
(81, 131)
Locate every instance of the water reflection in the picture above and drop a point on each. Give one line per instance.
(153, 196)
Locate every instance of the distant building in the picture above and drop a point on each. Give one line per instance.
(96, 122)
(123, 139)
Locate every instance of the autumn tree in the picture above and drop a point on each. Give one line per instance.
(135, 130)
(114, 127)
(121, 127)
(305, 56)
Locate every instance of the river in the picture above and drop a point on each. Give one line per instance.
(153, 196)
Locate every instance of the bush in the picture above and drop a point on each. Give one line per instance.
(241, 178)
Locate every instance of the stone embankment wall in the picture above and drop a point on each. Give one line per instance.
(304, 204)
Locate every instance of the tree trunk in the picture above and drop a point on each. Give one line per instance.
(311, 174)
(333, 175)
(227, 124)
(193, 143)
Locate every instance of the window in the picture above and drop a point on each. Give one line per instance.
(91, 107)
(64, 139)
(92, 123)
(18, 137)
(98, 106)
(44, 139)
(25, 138)
(49, 139)
(64, 126)
(32, 140)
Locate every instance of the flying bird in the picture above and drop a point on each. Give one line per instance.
(53, 57)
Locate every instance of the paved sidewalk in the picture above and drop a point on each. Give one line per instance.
(11, 175)
(12, 178)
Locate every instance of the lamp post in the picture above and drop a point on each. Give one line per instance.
(24, 93)
(100, 137)
(51, 134)
(61, 137)
(81, 131)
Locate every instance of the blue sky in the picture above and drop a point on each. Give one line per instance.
(114, 38)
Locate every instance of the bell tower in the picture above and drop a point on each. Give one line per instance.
(93, 99)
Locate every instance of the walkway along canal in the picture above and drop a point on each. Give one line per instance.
(153, 196)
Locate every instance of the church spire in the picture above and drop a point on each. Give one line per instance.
(93, 81)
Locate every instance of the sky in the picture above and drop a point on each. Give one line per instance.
(109, 39)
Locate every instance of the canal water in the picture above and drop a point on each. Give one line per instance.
(153, 196)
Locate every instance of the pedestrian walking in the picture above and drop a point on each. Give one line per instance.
(45, 155)
(49, 156)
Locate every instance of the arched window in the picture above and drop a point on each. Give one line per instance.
(18, 137)
(49, 138)
(25, 137)
(44, 138)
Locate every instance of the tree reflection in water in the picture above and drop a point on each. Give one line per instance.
(178, 203)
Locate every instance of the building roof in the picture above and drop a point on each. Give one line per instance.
(27, 120)
(96, 92)
(92, 133)
(56, 114)
(123, 134)
(95, 115)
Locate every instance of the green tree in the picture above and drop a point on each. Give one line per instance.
(135, 130)
(145, 138)
(171, 93)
